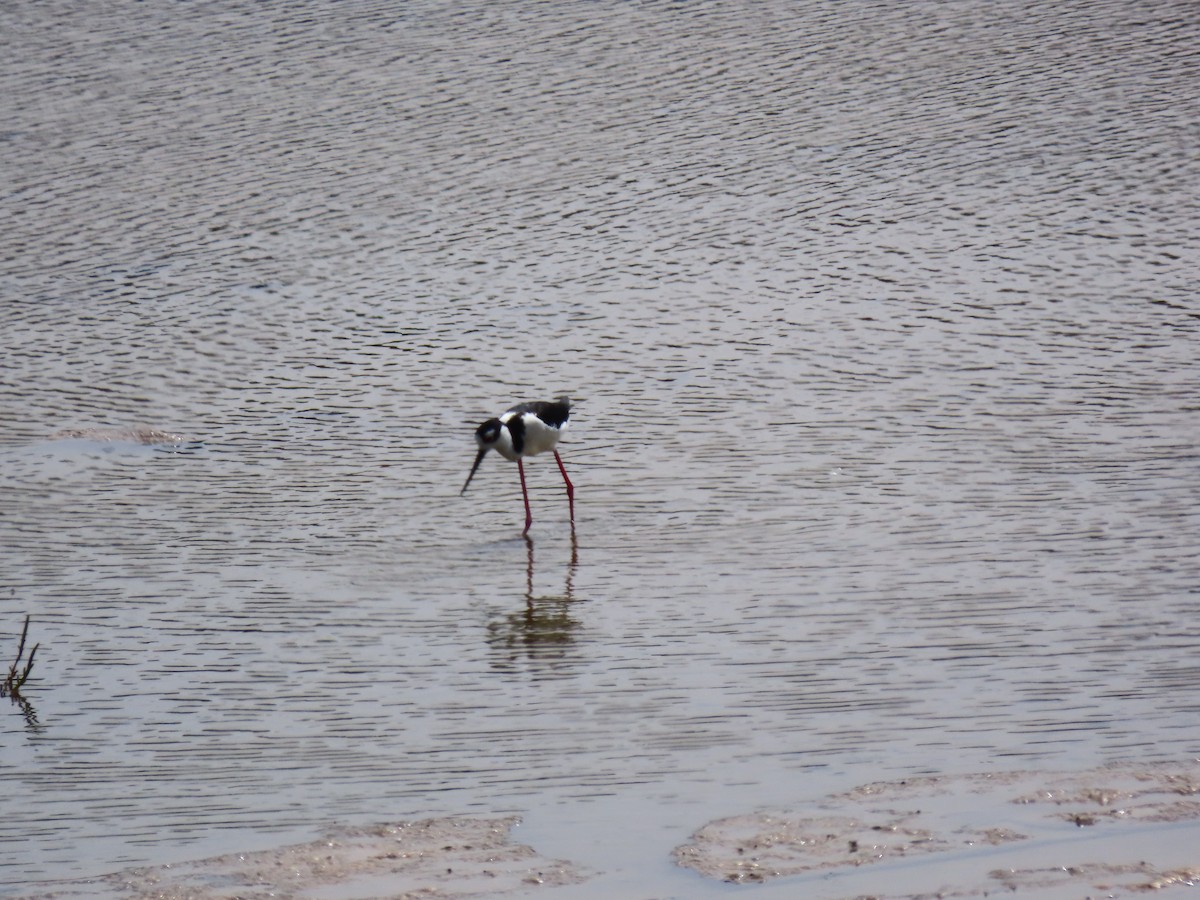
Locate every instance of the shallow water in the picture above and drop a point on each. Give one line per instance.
(883, 328)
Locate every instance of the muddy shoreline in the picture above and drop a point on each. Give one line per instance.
(902, 836)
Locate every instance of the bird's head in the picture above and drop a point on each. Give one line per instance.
(486, 436)
(488, 433)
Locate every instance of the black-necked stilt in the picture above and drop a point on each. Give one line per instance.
(526, 430)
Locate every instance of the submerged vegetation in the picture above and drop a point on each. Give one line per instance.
(18, 674)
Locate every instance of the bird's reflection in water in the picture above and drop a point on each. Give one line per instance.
(541, 633)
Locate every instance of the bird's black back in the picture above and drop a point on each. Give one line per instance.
(554, 413)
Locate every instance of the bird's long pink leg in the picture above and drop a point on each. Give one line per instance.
(570, 487)
(525, 494)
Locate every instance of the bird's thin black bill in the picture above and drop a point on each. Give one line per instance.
(478, 460)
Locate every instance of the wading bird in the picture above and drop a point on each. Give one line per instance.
(526, 429)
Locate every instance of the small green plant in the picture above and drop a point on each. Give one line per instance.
(18, 674)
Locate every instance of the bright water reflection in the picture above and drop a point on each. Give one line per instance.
(884, 324)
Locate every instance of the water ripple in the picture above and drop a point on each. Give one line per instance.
(882, 328)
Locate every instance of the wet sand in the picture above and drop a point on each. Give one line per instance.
(1110, 829)
(444, 857)
(1114, 830)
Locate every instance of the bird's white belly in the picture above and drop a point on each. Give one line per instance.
(540, 437)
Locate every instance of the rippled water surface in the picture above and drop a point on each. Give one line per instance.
(882, 321)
